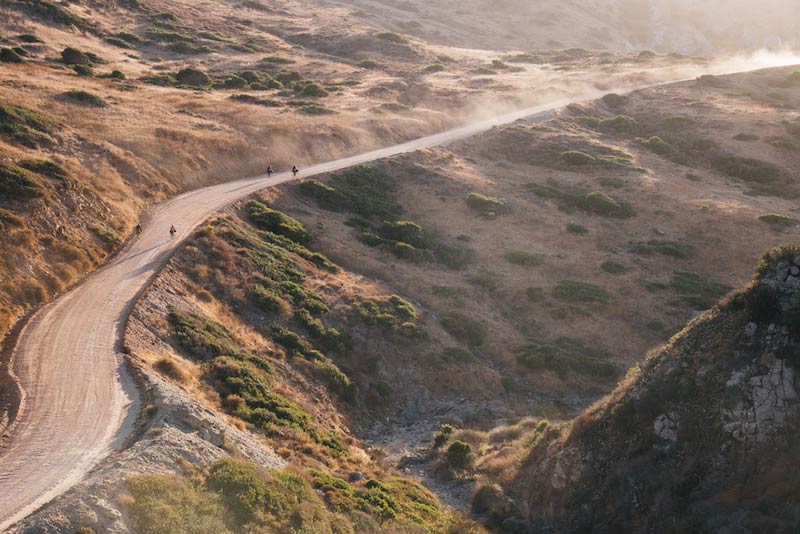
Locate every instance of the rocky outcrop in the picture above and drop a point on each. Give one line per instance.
(704, 432)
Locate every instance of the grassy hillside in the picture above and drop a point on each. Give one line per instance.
(108, 107)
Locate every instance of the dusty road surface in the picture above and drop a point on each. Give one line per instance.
(78, 402)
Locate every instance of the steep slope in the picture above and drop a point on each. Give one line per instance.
(700, 437)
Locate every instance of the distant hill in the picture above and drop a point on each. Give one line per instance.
(686, 26)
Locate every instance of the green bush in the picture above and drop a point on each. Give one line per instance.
(568, 354)
(696, 290)
(268, 300)
(535, 294)
(119, 43)
(17, 183)
(619, 124)
(371, 65)
(613, 182)
(57, 14)
(432, 69)
(459, 455)
(314, 90)
(747, 169)
(45, 167)
(86, 98)
(193, 77)
(25, 126)
(778, 220)
(485, 205)
(458, 354)
(572, 291)
(261, 407)
(595, 202)
(658, 146)
(250, 99)
(577, 229)
(30, 38)
(234, 82)
(404, 232)
(83, 70)
(524, 259)
(577, 157)
(391, 37)
(464, 329)
(441, 436)
(363, 190)
(7, 55)
(275, 221)
(606, 206)
(613, 267)
(73, 56)
(664, 247)
(486, 279)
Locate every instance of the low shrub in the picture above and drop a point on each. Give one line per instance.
(8, 55)
(524, 259)
(277, 222)
(573, 291)
(613, 267)
(25, 126)
(664, 247)
(250, 99)
(613, 182)
(86, 98)
(314, 90)
(618, 124)
(577, 229)
(458, 354)
(486, 279)
(779, 220)
(17, 183)
(73, 56)
(30, 38)
(577, 157)
(658, 146)
(368, 64)
(193, 77)
(485, 205)
(459, 455)
(696, 290)
(441, 436)
(595, 202)
(83, 70)
(269, 300)
(364, 190)
(465, 329)
(568, 354)
(747, 169)
(432, 69)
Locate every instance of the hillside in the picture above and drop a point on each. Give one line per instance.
(680, 26)
(339, 322)
(438, 342)
(697, 438)
(109, 107)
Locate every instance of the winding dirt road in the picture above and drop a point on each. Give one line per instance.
(78, 402)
